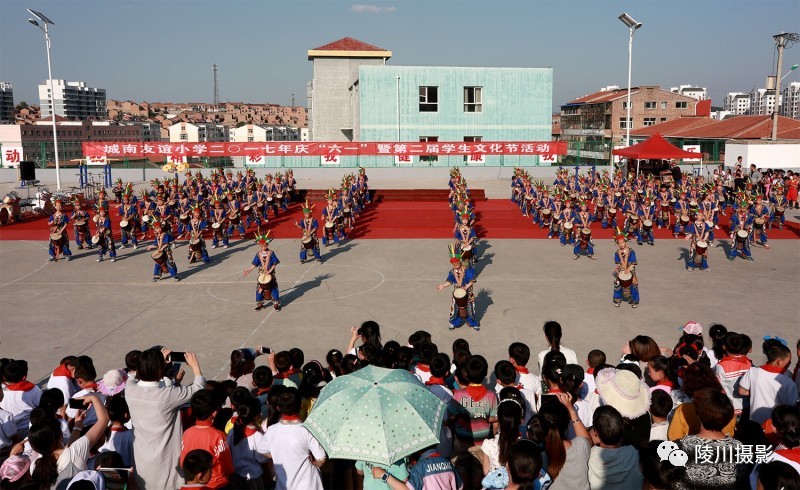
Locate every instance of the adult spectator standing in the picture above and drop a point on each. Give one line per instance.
(677, 174)
(154, 407)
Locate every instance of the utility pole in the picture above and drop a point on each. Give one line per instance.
(216, 87)
(292, 100)
(782, 40)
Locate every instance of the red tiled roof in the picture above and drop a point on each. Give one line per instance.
(739, 127)
(348, 44)
(604, 96)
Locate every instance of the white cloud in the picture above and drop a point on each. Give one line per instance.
(361, 8)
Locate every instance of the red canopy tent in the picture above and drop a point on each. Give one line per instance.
(655, 147)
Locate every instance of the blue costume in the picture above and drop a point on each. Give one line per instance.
(197, 225)
(267, 261)
(626, 289)
(234, 214)
(58, 225)
(331, 234)
(106, 243)
(760, 221)
(309, 226)
(741, 243)
(462, 278)
(130, 213)
(778, 201)
(218, 215)
(163, 242)
(700, 231)
(82, 236)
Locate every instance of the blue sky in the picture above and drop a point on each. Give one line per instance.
(163, 50)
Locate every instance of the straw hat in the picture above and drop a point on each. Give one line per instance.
(113, 382)
(624, 391)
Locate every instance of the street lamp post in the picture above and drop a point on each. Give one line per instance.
(47, 22)
(632, 27)
(781, 40)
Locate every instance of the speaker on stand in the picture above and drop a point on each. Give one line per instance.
(27, 170)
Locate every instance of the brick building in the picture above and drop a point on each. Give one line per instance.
(594, 124)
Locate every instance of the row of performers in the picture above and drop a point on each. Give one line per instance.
(590, 187)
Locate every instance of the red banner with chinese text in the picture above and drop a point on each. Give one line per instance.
(158, 150)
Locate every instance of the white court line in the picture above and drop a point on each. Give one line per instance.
(26, 275)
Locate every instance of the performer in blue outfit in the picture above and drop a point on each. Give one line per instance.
(59, 240)
(80, 223)
(466, 239)
(197, 244)
(626, 284)
(129, 212)
(163, 252)
(309, 225)
(701, 236)
(330, 214)
(761, 220)
(265, 261)
(219, 223)
(741, 231)
(104, 236)
(462, 307)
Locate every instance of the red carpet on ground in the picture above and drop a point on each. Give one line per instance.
(396, 219)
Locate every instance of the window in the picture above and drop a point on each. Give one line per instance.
(649, 105)
(250, 139)
(663, 119)
(429, 99)
(649, 121)
(184, 137)
(428, 158)
(473, 100)
(663, 105)
(681, 105)
(624, 104)
(622, 124)
(474, 158)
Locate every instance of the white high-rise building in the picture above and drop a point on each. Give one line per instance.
(763, 102)
(73, 100)
(6, 102)
(254, 132)
(737, 103)
(185, 132)
(790, 98)
(699, 93)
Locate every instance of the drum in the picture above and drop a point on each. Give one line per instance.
(146, 218)
(612, 213)
(80, 223)
(647, 225)
(246, 209)
(710, 224)
(159, 256)
(684, 220)
(216, 226)
(664, 207)
(57, 239)
(96, 239)
(184, 218)
(529, 197)
(701, 247)
(269, 200)
(568, 227)
(617, 195)
(5, 216)
(758, 223)
(586, 235)
(741, 236)
(625, 279)
(779, 210)
(266, 282)
(95, 218)
(172, 203)
(329, 228)
(308, 242)
(279, 197)
(633, 218)
(546, 216)
(600, 209)
(125, 225)
(466, 252)
(461, 299)
(234, 217)
(693, 205)
(195, 245)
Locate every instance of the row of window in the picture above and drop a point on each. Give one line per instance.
(648, 121)
(651, 104)
(429, 99)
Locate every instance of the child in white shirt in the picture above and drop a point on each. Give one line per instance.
(20, 396)
(767, 385)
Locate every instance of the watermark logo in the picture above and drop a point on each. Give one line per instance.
(669, 451)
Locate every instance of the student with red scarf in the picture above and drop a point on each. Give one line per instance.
(20, 396)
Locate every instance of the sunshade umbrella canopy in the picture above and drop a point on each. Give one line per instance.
(377, 415)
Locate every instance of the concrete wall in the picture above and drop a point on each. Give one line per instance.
(516, 105)
(330, 96)
(764, 154)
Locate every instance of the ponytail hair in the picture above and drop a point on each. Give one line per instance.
(554, 421)
(552, 331)
(45, 437)
(509, 416)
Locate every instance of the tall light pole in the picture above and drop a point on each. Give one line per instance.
(632, 27)
(781, 40)
(47, 22)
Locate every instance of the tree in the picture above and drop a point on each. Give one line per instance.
(22, 105)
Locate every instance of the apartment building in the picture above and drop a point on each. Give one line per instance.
(6, 103)
(790, 99)
(737, 103)
(73, 100)
(693, 91)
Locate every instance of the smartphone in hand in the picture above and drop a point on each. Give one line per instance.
(265, 350)
(177, 356)
(76, 404)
